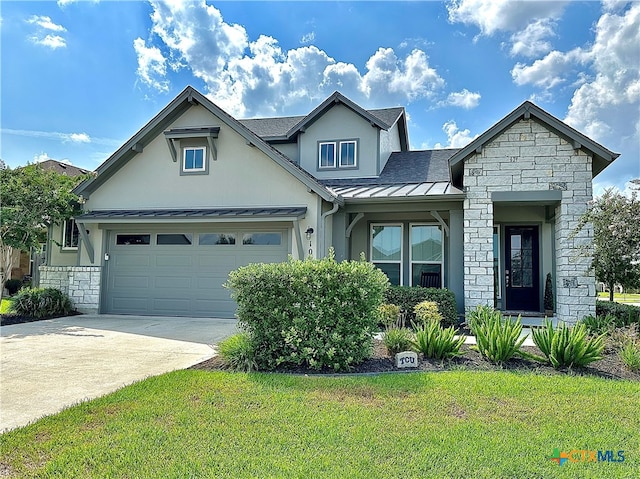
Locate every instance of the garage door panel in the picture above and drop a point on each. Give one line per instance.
(178, 280)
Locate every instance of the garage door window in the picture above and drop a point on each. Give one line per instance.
(217, 239)
(262, 239)
(133, 239)
(174, 239)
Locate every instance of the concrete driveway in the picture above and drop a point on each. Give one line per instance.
(49, 365)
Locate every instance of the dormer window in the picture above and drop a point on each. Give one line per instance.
(193, 159)
(337, 154)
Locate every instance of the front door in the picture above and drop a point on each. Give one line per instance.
(522, 266)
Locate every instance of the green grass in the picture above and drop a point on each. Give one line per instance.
(4, 306)
(429, 425)
(621, 298)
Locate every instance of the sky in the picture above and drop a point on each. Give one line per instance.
(79, 78)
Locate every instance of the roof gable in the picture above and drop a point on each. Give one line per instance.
(156, 126)
(601, 155)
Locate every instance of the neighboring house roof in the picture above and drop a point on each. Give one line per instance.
(601, 155)
(62, 168)
(193, 213)
(155, 127)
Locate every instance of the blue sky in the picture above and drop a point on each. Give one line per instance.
(78, 78)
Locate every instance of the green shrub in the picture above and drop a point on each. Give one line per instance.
(237, 352)
(630, 355)
(625, 314)
(619, 337)
(427, 311)
(435, 342)
(41, 303)
(397, 340)
(497, 339)
(599, 324)
(567, 346)
(388, 315)
(314, 313)
(408, 297)
(13, 285)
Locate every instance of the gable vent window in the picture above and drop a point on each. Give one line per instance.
(337, 154)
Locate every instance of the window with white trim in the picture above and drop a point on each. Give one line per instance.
(327, 155)
(426, 251)
(194, 159)
(348, 150)
(70, 234)
(386, 250)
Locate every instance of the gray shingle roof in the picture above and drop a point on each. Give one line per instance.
(387, 115)
(406, 167)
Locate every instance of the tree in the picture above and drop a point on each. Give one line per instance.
(32, 199)
(616, 237)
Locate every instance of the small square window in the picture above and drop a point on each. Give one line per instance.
(70, 235)
(327, 155)
(194, 160)
(347, 154)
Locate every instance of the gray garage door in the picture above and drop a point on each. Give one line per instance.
(181, 273)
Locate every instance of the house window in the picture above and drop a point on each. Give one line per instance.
(174, 239)
(217, 239)
(327, 155)
(426, 251)
(347, 154)
(70, 235)
(133, 239)
(262, 239)
(386, 250)
(194, 159)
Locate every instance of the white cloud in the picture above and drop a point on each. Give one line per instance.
(152, 66)
(46, 23)
(79, 138)
(41, 157)
(550, 71)
(249, 78)
(308, 37)
(464, 99)
(533, 40)
(456, 138)
(42, 36)
(491, 16)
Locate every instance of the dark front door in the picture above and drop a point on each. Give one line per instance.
(522, 268)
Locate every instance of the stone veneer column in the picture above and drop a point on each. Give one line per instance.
(529, 157)
(81, 283)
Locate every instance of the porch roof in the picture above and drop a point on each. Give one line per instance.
(196, 214)
(427, 190)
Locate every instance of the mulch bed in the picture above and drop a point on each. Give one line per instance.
(9, 319)
(611, 367)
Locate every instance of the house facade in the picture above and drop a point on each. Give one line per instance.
(196, 193)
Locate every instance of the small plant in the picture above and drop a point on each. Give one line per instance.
(408, 296)
(397, 340)
(630, 355)
(548, 295)
(436, 342)
(619, 337)
(599, 324)
(567, 346)
(497, 339)
(427, 311)
(238, 353)
(41, 303)
(13, 286)
(388, 315)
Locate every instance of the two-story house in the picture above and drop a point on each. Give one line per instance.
(196, 193)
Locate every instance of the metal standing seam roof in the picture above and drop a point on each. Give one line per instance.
(193, 213)
(405, 190)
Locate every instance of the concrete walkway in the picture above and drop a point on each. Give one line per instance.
(47, 366)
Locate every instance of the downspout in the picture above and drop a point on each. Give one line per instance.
(323, 223)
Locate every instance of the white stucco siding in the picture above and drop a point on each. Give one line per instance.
(340, 123)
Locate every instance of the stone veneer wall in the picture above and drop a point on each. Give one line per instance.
(81, 283)
(528, 157)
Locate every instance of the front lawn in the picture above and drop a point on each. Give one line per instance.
(620, 298)
(457, 424)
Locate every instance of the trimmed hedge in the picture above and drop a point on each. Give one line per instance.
(314, 313)
(625, 314)
(408, 297)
